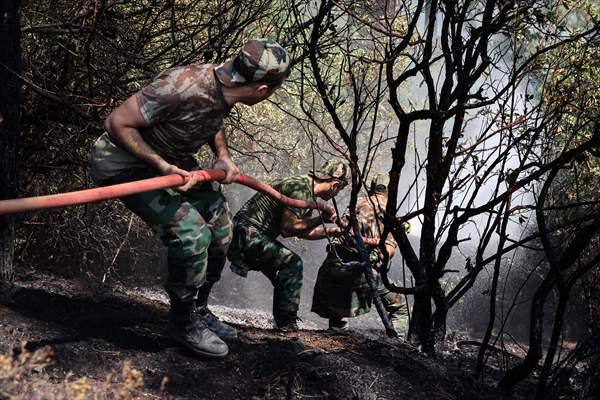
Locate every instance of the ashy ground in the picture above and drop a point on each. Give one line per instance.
(63, 339)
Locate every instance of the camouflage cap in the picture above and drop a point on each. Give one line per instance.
(331, 169)
(259, 60)
(380, 182)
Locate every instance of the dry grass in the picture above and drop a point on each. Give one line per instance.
(23, 376)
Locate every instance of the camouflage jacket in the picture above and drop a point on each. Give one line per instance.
(369, 214)
(264, 212)
(184, 107)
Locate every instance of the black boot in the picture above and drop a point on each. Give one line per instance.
(223, 330)
(338, 324)
(286, 320)
(187, 328)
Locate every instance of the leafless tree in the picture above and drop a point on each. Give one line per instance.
(10, 104)
(459, 79)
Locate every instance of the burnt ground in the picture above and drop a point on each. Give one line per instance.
(92, 331)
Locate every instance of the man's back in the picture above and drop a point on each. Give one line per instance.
(184, 107)
(369, 215)
(265, 213)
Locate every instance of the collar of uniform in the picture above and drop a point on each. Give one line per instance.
(311, 185)
(219, 98)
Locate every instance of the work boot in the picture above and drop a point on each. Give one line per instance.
(222, 330)
(338, 324)
(189, 329)
(286, 321)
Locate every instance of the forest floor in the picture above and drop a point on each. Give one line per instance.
(64, 339)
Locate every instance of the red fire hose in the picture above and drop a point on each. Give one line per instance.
(125, 189)
(161, 182)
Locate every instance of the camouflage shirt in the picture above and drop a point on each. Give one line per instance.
(184, 107)
(370, 220)
(264, 212)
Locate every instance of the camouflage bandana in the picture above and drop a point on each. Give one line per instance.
(332, 169)
(259, 60)
(380, 182)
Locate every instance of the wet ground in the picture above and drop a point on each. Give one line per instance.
(92, 331)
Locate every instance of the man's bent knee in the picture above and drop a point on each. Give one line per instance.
(221, 225)
(188, 239)
(292, 262)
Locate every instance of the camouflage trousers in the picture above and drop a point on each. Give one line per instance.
(252, 250)
(195, 226)
(342, 292)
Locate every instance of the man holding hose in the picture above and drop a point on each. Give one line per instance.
(342, 292)
(158, 131)
(262, 219)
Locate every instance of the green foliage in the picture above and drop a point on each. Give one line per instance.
(571, 72)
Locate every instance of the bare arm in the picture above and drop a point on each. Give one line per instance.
(123, 126)
(219, 146)
(390, 246)
(305, 228)
(321, 232)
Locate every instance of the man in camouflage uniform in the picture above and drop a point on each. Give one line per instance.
(262, 219)
(158, 131)
(342, 292)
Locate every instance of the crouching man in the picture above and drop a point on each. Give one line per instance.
(342, 292)
(262, 219)
(158, 131)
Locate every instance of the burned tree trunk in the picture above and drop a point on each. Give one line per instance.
(10, 67)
